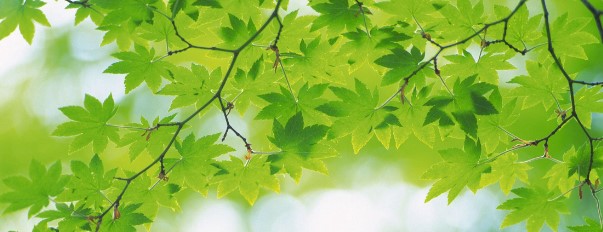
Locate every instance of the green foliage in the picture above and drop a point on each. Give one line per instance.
(196, 165)
(34, 192)
(89, 124)
(88, 182)
(460, 168)
(21, 13)
(437, 71)
(533, 206)
(299, 146)
(140, 66)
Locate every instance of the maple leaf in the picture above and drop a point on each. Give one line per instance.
(543, 85)
(89, 124)
(71, 219)
(21, 13)
(486, 67)
(589, 100)
(146, 191)
(362, 49)
(521, 28)
(533, 206)
(312, 62)
(196, 165)
(194, 86)
(401, 64)
(127, 220)
(300, 147)
(284, 106)
(591, 226)
(460, 168)
(560, 177)
(238, 33)
(140, 66)
(88, 182)
(463, 17)
(154, 141)
(34, 193)
(469, 100)
(359, 115)
(505, 170)
(568, 36)
(120, 11)
(246, 178)
(338, 15)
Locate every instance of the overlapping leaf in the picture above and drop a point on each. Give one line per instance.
(460, 168)
(300, 147)
(127, 220)
(196, 166)
(195, 86)
(400, 63)
(536, 206)
(359, 114)
(88, 183)
(247, 178)
(71, 218)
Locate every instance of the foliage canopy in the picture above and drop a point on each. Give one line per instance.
(344, 74)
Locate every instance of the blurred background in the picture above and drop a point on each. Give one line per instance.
(378, 190)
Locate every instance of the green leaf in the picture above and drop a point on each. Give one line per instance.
(521, 29)
(589, 100)
(34, 192)
(209, 3)
(238, 33)
(568, 36)
(362, 49)
(312, 63)
(88, 183)
(23, 14)
(533, 206)
(467, 121)
(486, 67)
(122, 34)
(195, 168)
(151, 193)
(153, 141)
(195, 86)
(543, 85)
(460, 168)
(140, 66)
(506, 170)
(481, 105)
(338, 15)
(579, 162)
(120, 11)
(71, 219)
(558, 176)
(246, 177)
(127, 221)
(300, 147)
(89, 124)
(284, 106)
(185, 6)
(401, 64)
(357, 115)
(463, 18)
(591, 226)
